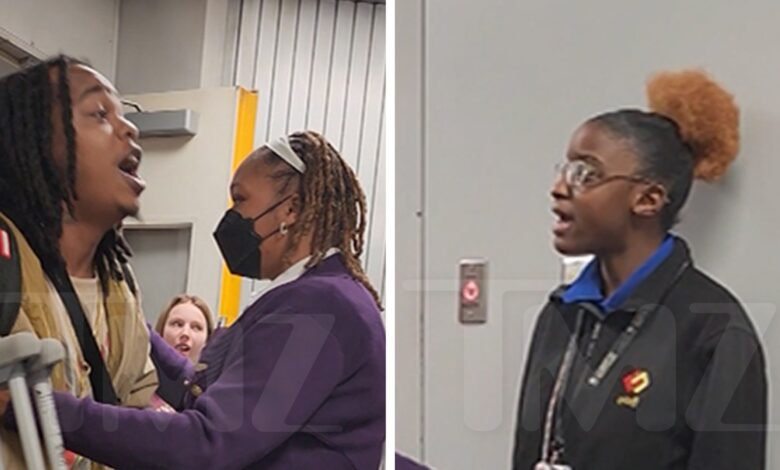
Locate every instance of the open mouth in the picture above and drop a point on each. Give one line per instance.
(183, 348)
(129, 168)
(563, 221)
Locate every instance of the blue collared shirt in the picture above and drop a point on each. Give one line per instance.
(587, 287)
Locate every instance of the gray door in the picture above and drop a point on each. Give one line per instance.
(161, 258)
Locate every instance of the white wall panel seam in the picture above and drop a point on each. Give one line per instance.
(365, 91)
(311, 66)
(292, 69)
(350, 58)
(274, 69)
(423, 209)
(330, 65)
(236, 42)
(377, 162)
(257, 45)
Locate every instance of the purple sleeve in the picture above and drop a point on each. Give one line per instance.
(171, 363)
(405, 463)
(277, 377)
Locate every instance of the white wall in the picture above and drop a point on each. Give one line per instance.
(86, 29)
(187, 179)
(503, 86)
(167, 45)
(160, 45)
(143, 45)
(219, 38)
(320, 65)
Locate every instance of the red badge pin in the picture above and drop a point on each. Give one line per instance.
(636, 381)
(5, 245)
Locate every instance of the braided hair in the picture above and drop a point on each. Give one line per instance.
(333, 202)
(35, 191)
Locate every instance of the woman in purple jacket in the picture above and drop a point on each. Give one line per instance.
(298, 381)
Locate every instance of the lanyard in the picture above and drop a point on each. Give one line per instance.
(627, 336)
(551, 455)
(620, 345)
(552, 419)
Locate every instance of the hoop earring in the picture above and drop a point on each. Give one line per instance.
(283, 228)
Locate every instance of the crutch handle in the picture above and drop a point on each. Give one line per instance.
(17, 348)
(50, 354)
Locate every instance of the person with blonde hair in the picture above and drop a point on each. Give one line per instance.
(186, 325)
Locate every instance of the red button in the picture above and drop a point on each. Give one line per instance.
(470, 291)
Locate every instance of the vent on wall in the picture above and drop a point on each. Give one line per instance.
(171, 123)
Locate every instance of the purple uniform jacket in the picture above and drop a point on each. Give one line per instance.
(297, 382)
(405, 463)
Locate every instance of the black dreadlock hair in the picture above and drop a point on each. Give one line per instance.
(34, 190)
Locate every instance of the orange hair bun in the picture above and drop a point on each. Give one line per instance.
(706, 114)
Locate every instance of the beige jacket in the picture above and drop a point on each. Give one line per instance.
(43, 313)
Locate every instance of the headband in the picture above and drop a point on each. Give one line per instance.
(281, 147)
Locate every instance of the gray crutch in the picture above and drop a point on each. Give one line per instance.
(38, 372)
(15, 351)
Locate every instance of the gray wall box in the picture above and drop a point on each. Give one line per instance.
(179, 122)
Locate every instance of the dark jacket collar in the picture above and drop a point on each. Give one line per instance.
(654, 287)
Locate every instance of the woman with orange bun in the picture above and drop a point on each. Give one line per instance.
(643, 362)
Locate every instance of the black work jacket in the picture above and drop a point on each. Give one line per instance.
(688, 392)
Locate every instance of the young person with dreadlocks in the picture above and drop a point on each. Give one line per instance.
(643, 362)
(298, 381)
(68, 176)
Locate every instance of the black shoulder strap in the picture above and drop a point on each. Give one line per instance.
(10, 279)
(102, 388)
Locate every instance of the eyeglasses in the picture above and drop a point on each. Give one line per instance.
(580, 176)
